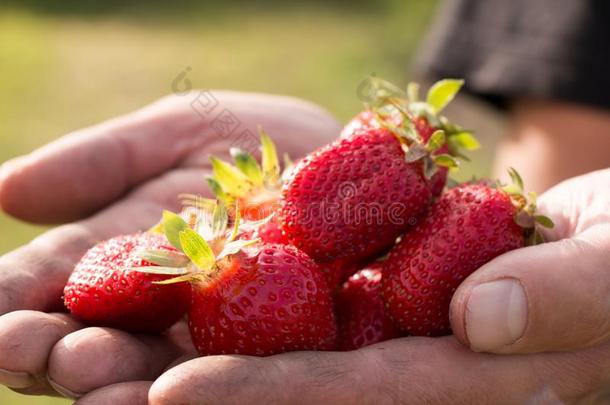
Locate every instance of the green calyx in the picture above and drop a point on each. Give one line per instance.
(392, 105)
(203, 238)
(246, 178)
(525, 203)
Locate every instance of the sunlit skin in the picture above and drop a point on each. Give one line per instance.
(549, 141)
(566, 284)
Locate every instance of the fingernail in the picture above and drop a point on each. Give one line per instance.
(496, 314)
(63, 390)
(16, 379)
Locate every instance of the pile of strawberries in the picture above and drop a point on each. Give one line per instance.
(357, 243)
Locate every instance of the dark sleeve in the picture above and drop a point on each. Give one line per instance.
(506, 49)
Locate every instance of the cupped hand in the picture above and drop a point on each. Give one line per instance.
(531, 327)
(111, 179)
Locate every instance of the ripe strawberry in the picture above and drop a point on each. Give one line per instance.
(104, 290)
(404, 112)
(257, 191)
(249, 297)
(467, 227)
(270, 232)
(270, 300)
(337, 271)
(353, 197)
(360, 313)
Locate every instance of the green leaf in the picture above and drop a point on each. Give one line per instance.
(220, 219)
(248, 166)
(524, 220)
(270, 162)
(197, 249)
(413, 92)
(164, 258)
(173, 224)
(544, 221)
(429, 167)
(236, 246)
(157, 228)
(415, 153)
(512, 189)
(436, 141)
(170, 271)
(231, 179)
(253, 225)
(442, 92)
(180, 279)
(218, 191)
(445, 160)
(516, 180)
(464, 140)
(386, 90)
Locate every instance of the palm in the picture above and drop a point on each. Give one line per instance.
(119, 176)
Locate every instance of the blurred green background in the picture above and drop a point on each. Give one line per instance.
(65, 65)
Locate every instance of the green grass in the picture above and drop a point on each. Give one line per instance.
(69, 65)
(63, 69)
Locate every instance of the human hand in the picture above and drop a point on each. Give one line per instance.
(115, 178)
(547, 344)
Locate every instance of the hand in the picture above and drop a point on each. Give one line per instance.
(548, 343)
(115, 178)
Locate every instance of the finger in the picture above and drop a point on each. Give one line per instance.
(90, 168)
(543, 298)
(26, 339)
(95, 357)
(412, 370)
(33, 276)
(127, 393)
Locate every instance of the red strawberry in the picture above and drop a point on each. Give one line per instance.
(337, 271)
(406, 113)
(256, 188)
(467, 227)
(360, 313)
(268, 301)
(352, 198)
(270, 232)
(364, 122)
(101, 292)
(248, 297)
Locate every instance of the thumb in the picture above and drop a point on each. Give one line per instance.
(550, 297)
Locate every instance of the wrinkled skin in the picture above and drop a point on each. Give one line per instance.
(42, 351)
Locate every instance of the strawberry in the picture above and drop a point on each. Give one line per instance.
(270, 300)
(406, 112)
(337, 271)
(467, 227)
(270, 232)
(254, 187)
(102, 289)
(248, 297)
(353, 197)
(360, 314)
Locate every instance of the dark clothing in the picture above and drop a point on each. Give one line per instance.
(508, 49)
